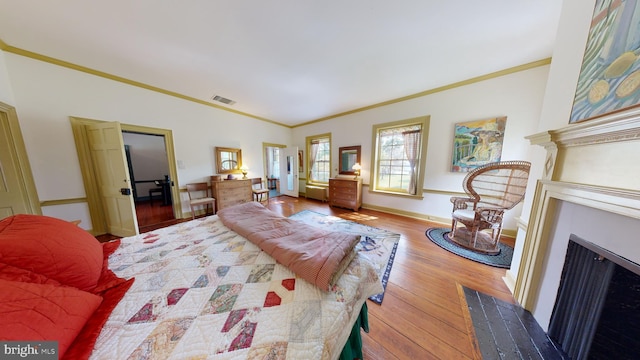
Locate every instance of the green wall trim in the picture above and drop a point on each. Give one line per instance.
(63, 201)
(84, 69)
(458, 84)
(26, 53)
(445, 222)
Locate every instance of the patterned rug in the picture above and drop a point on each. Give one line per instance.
(377, 244)
(501, 259)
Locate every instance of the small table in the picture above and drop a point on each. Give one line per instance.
(166, 191)
(271, 183)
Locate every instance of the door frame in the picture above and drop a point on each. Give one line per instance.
(265, 146)
(29, 193)
(94, 200)
(291, 151)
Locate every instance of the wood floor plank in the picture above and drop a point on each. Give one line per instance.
(423, 328)
(444, 311)
(401, 343)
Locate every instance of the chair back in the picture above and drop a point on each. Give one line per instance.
(256, 181)
(498, 185)
(198, 190)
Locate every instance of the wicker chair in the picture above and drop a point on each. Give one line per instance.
(492, 189)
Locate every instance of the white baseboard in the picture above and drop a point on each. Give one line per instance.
(509, 280)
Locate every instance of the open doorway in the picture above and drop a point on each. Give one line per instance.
(98, 207)
(150, 180)
(271, 153)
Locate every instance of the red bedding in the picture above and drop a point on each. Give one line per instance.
(316, 255)
(55, 283)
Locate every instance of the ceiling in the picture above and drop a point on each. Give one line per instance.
(288, 61)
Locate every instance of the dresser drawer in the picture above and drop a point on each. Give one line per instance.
(348, 191)
(231, 192)
(234, 192)
(343, 184)
(345, 193)
(343, 203)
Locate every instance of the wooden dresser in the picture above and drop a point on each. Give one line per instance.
(231, 192)
(346, 193)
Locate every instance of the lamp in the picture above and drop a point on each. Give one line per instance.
(356, 169)
(244, 171)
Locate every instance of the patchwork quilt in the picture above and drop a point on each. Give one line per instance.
(202, 291)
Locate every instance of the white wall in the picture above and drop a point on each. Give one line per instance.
(517, 96)
(558, 96)
(563, 76)
(46, 95)
(587, 223)
(6, 94)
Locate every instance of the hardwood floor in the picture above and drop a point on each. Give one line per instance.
(423, 315)
(152, 215)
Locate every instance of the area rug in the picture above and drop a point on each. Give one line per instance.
(377, 244)
(501, 259)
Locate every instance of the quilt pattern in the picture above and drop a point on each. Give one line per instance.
(201, 291)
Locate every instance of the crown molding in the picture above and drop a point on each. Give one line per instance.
(14, 50)
(32, 55)
(458, 84)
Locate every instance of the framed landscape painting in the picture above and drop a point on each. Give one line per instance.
(477, 143)
(610, 75)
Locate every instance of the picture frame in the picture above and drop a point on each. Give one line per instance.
(609, 78)
(477, 143)
(348, 156)
(300, 161)
(228, 160)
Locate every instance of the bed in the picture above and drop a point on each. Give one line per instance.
(196, 290)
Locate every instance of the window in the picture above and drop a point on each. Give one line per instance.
(319, 158)
(400, 154)
(272, 159)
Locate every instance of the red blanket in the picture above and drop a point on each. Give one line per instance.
(316, 255)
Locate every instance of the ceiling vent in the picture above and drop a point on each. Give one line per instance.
(223, 100)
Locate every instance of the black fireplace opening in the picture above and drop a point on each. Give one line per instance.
(597, 310)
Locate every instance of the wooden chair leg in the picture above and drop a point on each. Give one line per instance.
(454, 225)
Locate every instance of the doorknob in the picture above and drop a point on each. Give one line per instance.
(125, 191)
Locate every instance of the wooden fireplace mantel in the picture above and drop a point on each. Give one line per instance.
(592, 163)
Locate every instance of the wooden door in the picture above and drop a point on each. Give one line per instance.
(112, 176)
(17, 192)
(289, 171)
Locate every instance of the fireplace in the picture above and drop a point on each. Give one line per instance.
(595, 315)
(589, 188)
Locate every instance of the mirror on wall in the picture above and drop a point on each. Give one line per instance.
(229, 160)
(348, 156)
